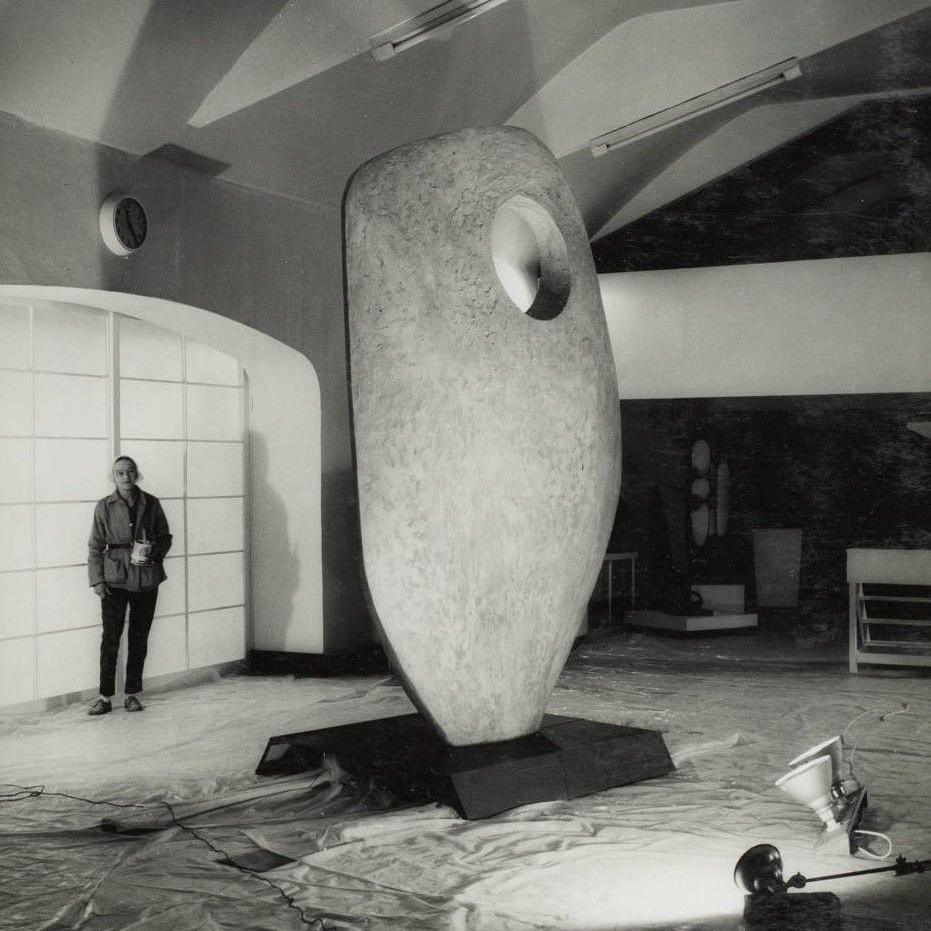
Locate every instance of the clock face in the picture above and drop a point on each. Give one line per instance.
(130, 224)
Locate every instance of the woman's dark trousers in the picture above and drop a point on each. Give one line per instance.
(113, 611)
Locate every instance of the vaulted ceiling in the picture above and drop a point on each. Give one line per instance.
(284, 95)
(858, 185)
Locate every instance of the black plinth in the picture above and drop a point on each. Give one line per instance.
(566, 758)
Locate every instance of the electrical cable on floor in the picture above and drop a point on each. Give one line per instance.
(22, 793)
(883, 716)
(869, 853)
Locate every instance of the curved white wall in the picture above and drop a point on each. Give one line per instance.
(833, 326)
(284, 426)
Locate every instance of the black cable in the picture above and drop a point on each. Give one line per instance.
(21, 793)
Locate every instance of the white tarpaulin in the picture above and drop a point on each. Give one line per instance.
(661, 853)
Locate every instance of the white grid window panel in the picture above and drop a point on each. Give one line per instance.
(199, 480)
(17, 595)
(207, 366)
(71, 470)
(61, 533)
(17, 670)
(150, 410)
(214, 469)
(162, 465)
(171, 593)
(70, 378)
(71, 405)
(215, 581)
(214, 413)
(70, 339)
(17, 467)
(167, 646)
(216, 636)
(15, 403)
(174, 514)
(64, 601)
(18, 549)
(67, 661)
(215, 525)
(149, 352)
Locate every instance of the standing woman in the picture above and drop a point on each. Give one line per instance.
(128, 541)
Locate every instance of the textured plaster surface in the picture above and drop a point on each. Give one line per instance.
(487, 442)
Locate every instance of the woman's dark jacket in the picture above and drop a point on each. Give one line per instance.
(110, 543)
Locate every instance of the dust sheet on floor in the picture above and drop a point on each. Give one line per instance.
(192, 839)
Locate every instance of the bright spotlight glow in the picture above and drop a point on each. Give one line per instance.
(597, 886)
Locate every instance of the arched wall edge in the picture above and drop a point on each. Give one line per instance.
(284, 455)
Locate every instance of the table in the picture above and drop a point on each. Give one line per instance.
(889, 590)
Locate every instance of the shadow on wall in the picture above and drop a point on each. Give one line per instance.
(273, 552)
(342, 542)
(173, 40)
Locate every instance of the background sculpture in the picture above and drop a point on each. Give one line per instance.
(486, 421)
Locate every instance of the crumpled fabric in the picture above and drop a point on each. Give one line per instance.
(655, 854)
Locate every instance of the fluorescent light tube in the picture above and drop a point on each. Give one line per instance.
(754, 83)
(444, 16)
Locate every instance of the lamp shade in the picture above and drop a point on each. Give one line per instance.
(810, 784)
(759, 869)
(831, 748)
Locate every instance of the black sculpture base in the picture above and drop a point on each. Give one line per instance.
(566, 758)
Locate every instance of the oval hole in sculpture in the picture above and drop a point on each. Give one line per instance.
(531, 257)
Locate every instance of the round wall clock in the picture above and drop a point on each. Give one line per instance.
(123, 224)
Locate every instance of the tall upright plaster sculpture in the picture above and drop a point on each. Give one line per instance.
(486, 421)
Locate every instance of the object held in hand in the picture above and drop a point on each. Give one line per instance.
(140, 553)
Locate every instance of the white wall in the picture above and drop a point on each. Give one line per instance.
(284, 456)
(834, 326)
(180, 414)
(80, 385)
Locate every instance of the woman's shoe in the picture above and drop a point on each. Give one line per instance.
(99, 706)
(133, 704)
